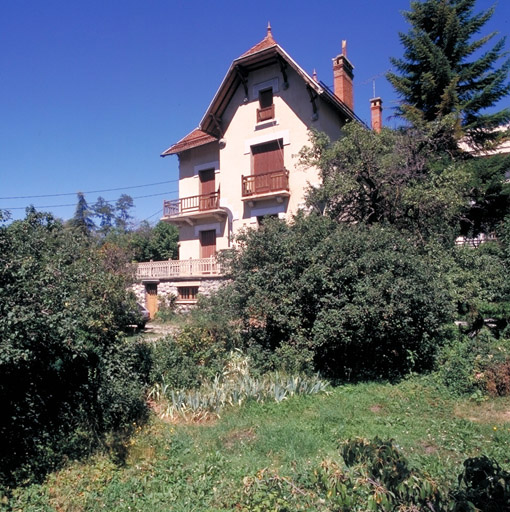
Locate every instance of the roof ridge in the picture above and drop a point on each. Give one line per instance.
(267, 42)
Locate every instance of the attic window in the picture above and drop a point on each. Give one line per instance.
(266, 110)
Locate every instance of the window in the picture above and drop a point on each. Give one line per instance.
(266, 98)
(187, 292)
(267, 157)
(266, 110)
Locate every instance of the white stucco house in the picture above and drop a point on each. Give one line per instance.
(241, 162)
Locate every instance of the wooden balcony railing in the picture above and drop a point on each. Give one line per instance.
(191, 204)
(275, 181)
(178, 268)
(265, 114)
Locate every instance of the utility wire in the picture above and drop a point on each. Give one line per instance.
(74, 204)
(89, 192)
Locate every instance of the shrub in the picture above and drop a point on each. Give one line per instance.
(167, 310)
(377, 477)
(479, 364)
(483, 485)
(68, 378)
(172, 365)
(350, 301)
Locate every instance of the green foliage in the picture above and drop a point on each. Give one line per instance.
(268, 455)
(363, 302)
(480, 287)
(446, 70)
(67, 377)
(157, 243)
(105, 212)
(231, 389)
(478, 365)
(402, 178)
(489, 195)
(122, 207)
(483, 485)
(167, 308)
(82, 219)
(378, 478)
(171, 365)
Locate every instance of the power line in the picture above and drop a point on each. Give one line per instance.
(74, 204)
(89, 192)
(139, 223)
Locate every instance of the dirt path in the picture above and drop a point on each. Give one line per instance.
(156, 330)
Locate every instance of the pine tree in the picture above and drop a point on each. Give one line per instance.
(446, 70)
(122, 206)
(106, 214)
(82, 219)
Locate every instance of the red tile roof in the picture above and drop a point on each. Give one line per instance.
(267, 42)
(192, 140)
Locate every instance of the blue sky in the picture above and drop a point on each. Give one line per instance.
(92, 91)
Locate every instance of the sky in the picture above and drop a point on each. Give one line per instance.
(93, 91)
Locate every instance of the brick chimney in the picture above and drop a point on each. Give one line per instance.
(343, 75)
(376, 114)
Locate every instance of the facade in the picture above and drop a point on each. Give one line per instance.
(242, 162)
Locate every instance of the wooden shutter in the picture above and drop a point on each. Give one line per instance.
(207, 243)
(207, 184)
(268, 157)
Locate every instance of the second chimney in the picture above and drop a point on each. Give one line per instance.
(376, 114)
(343, 76)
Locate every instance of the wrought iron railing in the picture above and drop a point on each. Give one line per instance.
(178, 268)
(275, 181)
(191, 204)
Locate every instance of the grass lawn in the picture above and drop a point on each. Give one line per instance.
(206, 467)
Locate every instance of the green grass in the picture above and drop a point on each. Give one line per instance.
(195, 467)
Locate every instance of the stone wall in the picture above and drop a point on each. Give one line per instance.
(169, 287)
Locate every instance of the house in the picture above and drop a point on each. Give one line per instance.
(242, 162)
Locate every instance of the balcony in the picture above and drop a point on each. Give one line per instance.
(274, 184)
(174, 269)
(265, 114)
(189, 209)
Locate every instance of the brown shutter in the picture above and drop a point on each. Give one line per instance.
(207, 243)
(267, 157)
(207, 182)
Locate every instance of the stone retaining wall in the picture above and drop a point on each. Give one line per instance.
(169, 287)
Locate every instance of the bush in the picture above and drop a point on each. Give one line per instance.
(186, 359)
(483, 485)
(479, 364)
(171, 365)
(68, 378)
(353, 301)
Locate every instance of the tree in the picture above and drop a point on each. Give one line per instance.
(67, 375)
(446, 70)
(122, 207)
(82, 219)
(398, 177)
(106, 214)
(161, 244)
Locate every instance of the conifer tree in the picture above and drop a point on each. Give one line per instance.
(82, 219)
(447, 70)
